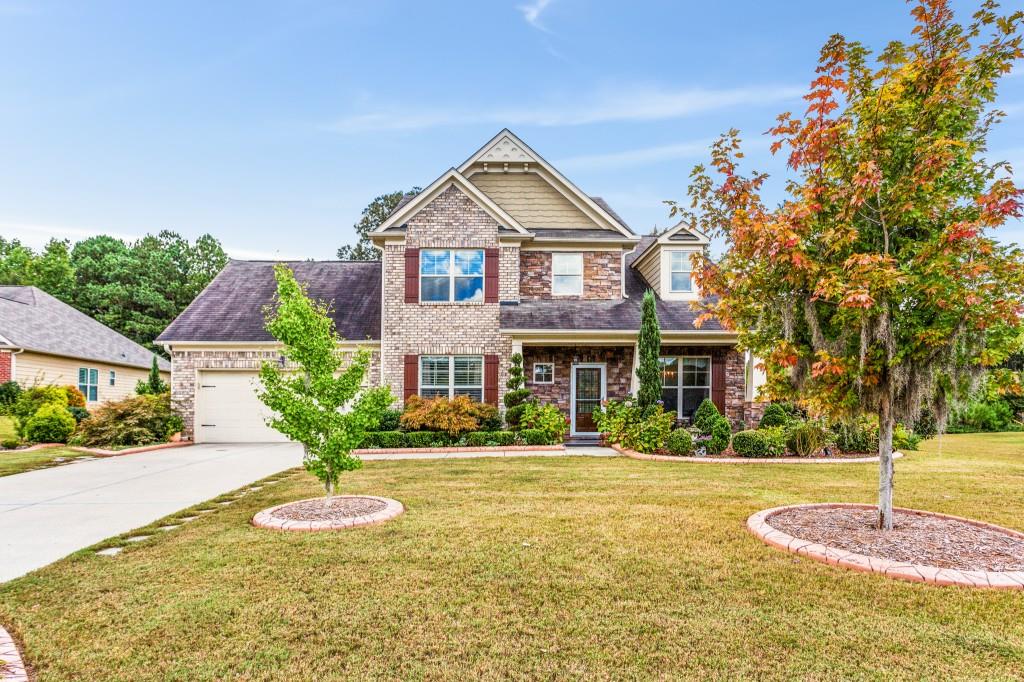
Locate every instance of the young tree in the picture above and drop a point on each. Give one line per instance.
(876, 286)
(648, 370)
(375, 213)
(517, 395)
(154, 383)
(319, 400)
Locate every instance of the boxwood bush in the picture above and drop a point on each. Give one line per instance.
(767, 442)
(384, 439)
(534, 437)
(679, 443)
(52, 423)
(721, 434)
(426, 439)
(479, 439)
(705, 416)
(774, 415)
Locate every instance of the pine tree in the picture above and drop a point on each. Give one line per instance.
(649, 347)
(517, 395)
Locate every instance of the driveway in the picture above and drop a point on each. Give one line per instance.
(47, 514)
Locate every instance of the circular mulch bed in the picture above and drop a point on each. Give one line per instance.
(343, 511)
(923, 546)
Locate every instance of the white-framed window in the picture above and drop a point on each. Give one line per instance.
(113, 377)
(450, 375)
(88, 383)
(680, 275)
(685, 383)
(567, 274)
(451, 275)
(543, 372)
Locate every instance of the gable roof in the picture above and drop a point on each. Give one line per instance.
(679, 235)
(33, 320)
(407, 209)
(506, 147)
(230, 309)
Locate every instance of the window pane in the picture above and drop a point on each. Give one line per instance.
(84, 388)
(94, 376)
(83, 375)
(476, 394)
(469, 371)
(434, 262)
(692, 398)
(567, 284)
(543, 373)
(696, 372)
(567, 264)
(434, 289)
(469, 262)
(92, 394)
(670, 396)
(112, 377)
(681, 281)
(681, 261)
(469, 288)
(669, 371)
(434, 392)
(434, 371)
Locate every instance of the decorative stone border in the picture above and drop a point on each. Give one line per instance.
(12, 666)
(266, 518)
(483, 448)
(750, 460)
(758, 524)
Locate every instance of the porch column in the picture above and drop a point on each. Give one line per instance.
(634, 380)
(517, 347)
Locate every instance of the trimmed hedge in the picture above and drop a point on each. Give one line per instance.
(768, 442)
(384, 439)
(679, 443)
(534, 437)
(479, 439)
(426, 439)
(774, 415)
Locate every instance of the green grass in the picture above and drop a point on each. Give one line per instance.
(20, 461)
(535, 569)
(7, 430)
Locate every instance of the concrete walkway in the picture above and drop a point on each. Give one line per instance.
(47, 514)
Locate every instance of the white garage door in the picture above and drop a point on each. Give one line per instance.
(228, 411)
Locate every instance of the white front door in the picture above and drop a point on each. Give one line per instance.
(586, 391)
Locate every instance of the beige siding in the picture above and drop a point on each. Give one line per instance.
(651, 270)
(531, 200)
(32, 369)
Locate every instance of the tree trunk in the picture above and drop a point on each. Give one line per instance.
(885, 465)
(329, 485)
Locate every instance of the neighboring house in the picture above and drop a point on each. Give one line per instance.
(500, 255)
(44, 341)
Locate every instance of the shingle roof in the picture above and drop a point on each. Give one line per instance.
(604, 315)
(32, 319)
(231, 307)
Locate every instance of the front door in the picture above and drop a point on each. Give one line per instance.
(587, 393)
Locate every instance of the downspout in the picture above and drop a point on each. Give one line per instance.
(622, 274)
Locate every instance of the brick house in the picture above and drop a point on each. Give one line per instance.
(500, 255)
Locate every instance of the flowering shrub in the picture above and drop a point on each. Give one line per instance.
(546, 418)
(643, 430)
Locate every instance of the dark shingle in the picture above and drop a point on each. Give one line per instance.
(231, 307)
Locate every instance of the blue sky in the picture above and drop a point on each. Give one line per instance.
(271, 124)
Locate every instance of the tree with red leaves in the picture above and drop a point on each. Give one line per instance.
(876, 286)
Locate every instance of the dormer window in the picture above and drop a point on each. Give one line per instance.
(567, 274)
(451, 276)
(681, 280)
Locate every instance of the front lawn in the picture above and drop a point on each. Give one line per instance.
(545, 568)
(20, 461)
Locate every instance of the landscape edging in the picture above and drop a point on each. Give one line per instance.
(758, 525)
(266, 518)
(12, 665)
(748, 460)
(483, 448)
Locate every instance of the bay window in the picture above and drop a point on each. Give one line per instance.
(447, 376)
(450, 275)
(685, 383)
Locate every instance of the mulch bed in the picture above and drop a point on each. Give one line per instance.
(730, 453)
(915, 539)
(338, 509)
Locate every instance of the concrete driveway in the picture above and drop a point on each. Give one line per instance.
(47, 514)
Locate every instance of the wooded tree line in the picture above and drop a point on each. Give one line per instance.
(134, 288)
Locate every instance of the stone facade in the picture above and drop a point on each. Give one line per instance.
(5, 367)
(602, 275)
(187, 363)
(618, 362)
(451, 220)
(734, 374)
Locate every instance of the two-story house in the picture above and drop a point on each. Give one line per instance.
(502, 254)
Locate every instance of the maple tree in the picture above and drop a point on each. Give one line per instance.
(875, 286)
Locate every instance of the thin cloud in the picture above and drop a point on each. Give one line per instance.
(639, 104)
(36, 236)
(637, 157)
(532, 12)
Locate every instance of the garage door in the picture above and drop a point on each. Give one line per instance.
(228, 411)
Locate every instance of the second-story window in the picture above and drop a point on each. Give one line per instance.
(681, 279)
(567, 274)
(449, 275)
